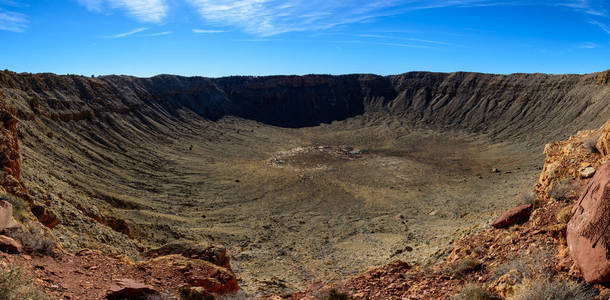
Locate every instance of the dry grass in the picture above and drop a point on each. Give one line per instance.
(475, 292)
(529, 266)
(564, 215)
(15, 286)
(562, 190)
(527, 198)
(553, 289)
(464, 266)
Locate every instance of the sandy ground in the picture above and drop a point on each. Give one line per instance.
(292, 206)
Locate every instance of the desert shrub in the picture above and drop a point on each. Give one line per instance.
(20, 207)
(590, 145)
(15, 286)
(475, 292)
(336, 295)
(564, 215)
(535, 264)
(33, 238)
(527, 198)
(561, 190)
(553, 289)
(464, 266)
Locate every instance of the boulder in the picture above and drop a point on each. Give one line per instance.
(10, 245)
(130, 289)
(6, 216)
(588, 234)
(513, 216)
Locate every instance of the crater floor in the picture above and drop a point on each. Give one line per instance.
(291, 205)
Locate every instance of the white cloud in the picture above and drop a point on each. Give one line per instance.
(207, 31)
(144, 10)
(271, 17)
(601, 25)
(160, 33)
(12, 21)
(125, 34)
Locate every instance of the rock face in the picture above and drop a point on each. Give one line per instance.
(588, 231)
(10, 159)
(513, 216)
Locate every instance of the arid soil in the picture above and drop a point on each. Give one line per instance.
(399, 168)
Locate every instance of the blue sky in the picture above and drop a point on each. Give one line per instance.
(264, 37)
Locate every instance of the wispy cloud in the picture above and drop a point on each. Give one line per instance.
(12, 21)
(160, 33)
(588, 45)
(144, 10)
(207, 31)
(271, 17)
(601, 25)
(125, 34)
(398, 38)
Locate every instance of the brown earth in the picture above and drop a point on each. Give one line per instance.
(400, 170)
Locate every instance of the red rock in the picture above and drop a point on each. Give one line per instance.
(513, 216)
(9, 245)
(129, 289)
(6, 216)
(588, 234)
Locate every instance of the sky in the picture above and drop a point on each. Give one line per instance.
(215, 38)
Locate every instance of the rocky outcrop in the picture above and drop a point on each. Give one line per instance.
(588, 233)
(573, 159)
(10, 159)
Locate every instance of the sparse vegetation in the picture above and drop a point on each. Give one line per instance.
(553, 289)
(14, 285)
(564, 215)
(464, 266)
(529, 266)
(562, 189)
(33, 238)
(527, 197)
(475, 292)
(590, 145)
(336, 295)
(20, 207)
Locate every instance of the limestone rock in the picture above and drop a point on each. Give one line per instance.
(587, 172)
(588, 236)
(513, 216)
